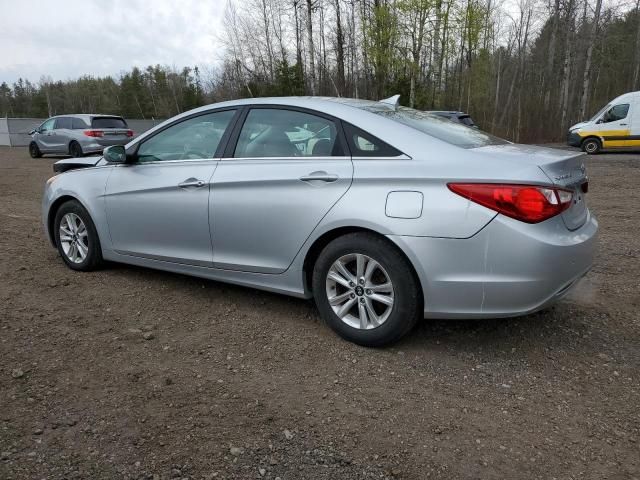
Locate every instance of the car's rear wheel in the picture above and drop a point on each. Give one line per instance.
(76, 237)
(366, 290)
(34, 151)
(75, 150)
(591, 146)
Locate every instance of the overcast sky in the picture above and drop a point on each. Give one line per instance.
(64, 39)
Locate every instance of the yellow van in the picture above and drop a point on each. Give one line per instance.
(616, 126)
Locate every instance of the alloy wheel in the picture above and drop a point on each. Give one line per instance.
(359, 291)
(74, 238)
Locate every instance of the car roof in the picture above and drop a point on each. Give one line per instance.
(86, 116)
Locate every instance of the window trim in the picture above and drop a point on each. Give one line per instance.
(132, 151)
(401, 154)
(235, 135)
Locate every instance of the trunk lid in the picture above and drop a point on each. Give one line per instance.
(564, 168)
(114, 136)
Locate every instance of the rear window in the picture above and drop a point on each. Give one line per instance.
(108, 122)
(78, 124)
(454, 133)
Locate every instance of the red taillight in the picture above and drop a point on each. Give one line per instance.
(129, 133)
(94, 133)
(527, 203)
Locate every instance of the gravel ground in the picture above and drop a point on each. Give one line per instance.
(133, 373)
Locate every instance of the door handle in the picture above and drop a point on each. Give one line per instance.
(191, 182)
(624, 124)
(321, 176)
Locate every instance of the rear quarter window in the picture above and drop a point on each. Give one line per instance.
(108, 122)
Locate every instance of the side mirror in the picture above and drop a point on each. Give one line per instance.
(34, 131)
(115, 154)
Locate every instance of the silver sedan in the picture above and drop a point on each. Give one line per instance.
(382, 214)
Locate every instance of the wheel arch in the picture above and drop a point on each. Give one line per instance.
(53, 209)
(591, 137)
(323, 240)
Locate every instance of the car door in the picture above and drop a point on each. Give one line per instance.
(283, 170)
(614, 126)
(157, 206)
(44, 136)
(61, 135)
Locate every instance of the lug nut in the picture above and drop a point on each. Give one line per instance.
(368, 291)
(353, 295)
(362, 300)
(351, 284)
(362, 281)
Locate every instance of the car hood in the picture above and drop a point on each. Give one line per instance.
(578, 125)
(75, 163)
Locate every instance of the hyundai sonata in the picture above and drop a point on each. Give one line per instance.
(381, 213)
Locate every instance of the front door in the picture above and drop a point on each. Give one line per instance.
(157, 207)
(45, 136)
(615, 127)
(284, 172)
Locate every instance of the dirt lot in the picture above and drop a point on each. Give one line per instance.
(237, 383)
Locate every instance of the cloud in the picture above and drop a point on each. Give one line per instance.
(67, 38)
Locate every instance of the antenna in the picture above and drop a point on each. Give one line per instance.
(393, 101)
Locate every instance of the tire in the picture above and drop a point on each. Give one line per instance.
(393, 321)
(75, 150)
(591, 146)
(87, 244)
(34, 151)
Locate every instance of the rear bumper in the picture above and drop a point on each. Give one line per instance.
(507, 269)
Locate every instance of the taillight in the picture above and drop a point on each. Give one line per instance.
(94, 133)
(527, 203)
(129, 133)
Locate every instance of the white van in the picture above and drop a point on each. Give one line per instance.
(616, 126)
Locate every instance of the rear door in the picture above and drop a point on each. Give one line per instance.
(283, 170)
(61, 135)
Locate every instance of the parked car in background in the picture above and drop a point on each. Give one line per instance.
(383, 214)
(78, 135)
(460, 117)
(615, 126)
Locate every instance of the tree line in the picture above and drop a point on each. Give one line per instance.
(525, 71)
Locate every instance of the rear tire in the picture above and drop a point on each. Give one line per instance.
(591, 146)
(76, 237)
(75, 150)
(374, 307)
(34, 151)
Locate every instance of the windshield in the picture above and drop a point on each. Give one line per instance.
(600, 112)
(448, 131)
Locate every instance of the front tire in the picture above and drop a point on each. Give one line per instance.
(75, 150)
(34, 151)
(366, 290)
(76, 237)
(591, 146)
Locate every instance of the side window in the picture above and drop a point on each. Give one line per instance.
(78, 124)
(191, 139)
(63, 122)
(48, 125)
(617, 112)
(363, 144)
(271, 132)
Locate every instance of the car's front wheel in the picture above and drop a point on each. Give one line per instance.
(591, 146)
(34, 151)
(76, 237)
(366, 290)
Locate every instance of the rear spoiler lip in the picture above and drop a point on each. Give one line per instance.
(75, 163)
